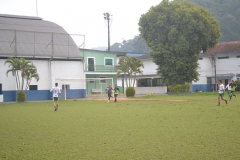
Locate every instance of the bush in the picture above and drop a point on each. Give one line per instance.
(130, 92)
(238, 85)
(21, 96)
(179, 88)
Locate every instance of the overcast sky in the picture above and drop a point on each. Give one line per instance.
(85, 17)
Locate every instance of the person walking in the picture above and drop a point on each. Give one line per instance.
(116, 93)
(234, 86)
(221, 89)
(229, 88)
(56, 91)
(109, 92)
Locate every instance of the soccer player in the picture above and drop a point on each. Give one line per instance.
(116, 92)
(56, 91)
(221, 92)
(234, 86)
(229, 87)
(109, 91)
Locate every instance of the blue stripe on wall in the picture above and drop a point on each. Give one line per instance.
(9, 96)
(202, 87)
(38, 95)
(74, 94)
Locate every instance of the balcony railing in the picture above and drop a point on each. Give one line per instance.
(99, 68)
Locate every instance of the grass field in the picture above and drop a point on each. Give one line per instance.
(188, 126)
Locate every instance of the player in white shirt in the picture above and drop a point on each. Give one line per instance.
(221, 92)
(229, 88)
(56, 91)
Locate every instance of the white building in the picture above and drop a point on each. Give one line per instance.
(49, 47)
(222, 62)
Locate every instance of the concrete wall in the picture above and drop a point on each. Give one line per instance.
(153, 90)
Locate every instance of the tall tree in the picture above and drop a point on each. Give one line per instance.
(130, 66)
(176, 31)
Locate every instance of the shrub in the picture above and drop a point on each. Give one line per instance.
(21, 96)
(179, 88)
(238, 85)
(130, 92)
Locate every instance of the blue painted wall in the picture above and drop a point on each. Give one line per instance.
(38, 95)
(202, 87)
(9, 96)
(74, 94)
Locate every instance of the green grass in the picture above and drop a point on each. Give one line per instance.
(184, 126)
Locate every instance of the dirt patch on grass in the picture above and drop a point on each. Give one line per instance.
(142, 99)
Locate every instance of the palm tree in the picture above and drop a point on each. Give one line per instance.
(15, 67)
(27, 71)
(131, 66)
(25, 66)
(30, 73)
(123, 67)
(136, 68)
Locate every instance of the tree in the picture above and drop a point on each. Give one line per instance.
(15, 67)
(25, 69)
(176, 31)
(228, 14)
(31, 72)
(137, 44)
(130, 66)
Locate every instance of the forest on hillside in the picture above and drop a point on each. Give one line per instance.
(227, 12)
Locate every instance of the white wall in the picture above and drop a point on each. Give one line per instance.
(149, 67)
(205, 69)
(153, 90)
(71, 70)
(60, 69)
(8, 82)
(228, 66)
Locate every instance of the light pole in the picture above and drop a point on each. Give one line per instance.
(107, 18)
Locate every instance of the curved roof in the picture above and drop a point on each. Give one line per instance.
(34, 37)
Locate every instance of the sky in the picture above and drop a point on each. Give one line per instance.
(85, 17)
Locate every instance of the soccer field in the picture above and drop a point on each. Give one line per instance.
(189, 126)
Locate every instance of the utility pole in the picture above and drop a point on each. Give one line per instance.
(215, 71)
(36, 9)
(107, 18)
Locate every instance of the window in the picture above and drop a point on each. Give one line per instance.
(103, 81)
(67, 86)
(158, 82)
(108, 62)
(91, 62)
(91, 81)
(200, 58)
(209, 80)
(33, 87)
(238, 56)
(223, 57)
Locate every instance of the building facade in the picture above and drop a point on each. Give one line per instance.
(222, 62)
(100, 70)
(49, 47)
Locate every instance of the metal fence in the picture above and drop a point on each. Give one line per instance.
(39, 44)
